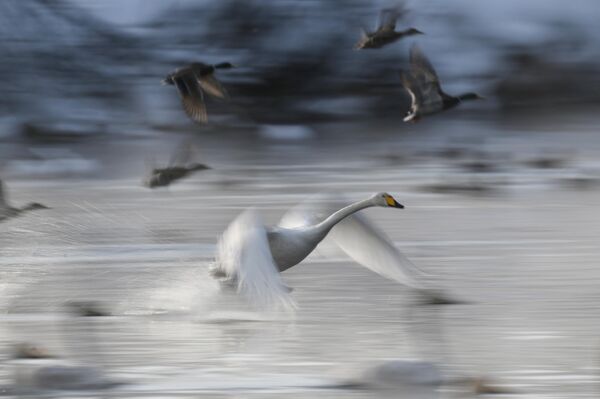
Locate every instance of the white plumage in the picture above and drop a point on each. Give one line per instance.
(250, 255)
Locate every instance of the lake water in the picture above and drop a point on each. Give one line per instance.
(516, 240)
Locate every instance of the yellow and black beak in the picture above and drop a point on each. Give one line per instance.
(392, 202)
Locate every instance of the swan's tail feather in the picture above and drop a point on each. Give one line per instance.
(244, 256)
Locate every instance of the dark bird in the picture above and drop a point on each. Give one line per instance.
(386, 31)
(423, 86)
(35, 369)
(7, 211)
(192, 81)
(179, 167)
(87, 309)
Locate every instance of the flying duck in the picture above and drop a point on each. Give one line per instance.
(7, 211)
(192, 81)
(423, 85)
(386, 31)
(178, 168)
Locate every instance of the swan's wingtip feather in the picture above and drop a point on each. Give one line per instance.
(244, 253)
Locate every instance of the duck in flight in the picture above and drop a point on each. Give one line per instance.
(192, 82)
(7, 211)
(386, 31)
(423, 85)
(179, 167)
(251, 255)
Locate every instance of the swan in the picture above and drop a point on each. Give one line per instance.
(251, 255)
(7, 211)
(386, 31)
(423, 86)
(192, 81)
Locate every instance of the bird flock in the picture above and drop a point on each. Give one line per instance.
(250, 254)
(421, 81)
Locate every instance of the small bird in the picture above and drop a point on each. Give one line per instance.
(386, 31)
(423, 86)
(87, 309)
(192, 81)
(34, 369)
(251, 255)
(7, 211)
(178, 168)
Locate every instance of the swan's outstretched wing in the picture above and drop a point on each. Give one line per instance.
(245, 256)
(358, 238)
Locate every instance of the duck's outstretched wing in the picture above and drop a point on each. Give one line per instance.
(421, 67)
(191, 97)
(411, 85)
(424, 80)
(212, 86)
(413, 89)
(389, 16)
(245, 256)
(358, 238)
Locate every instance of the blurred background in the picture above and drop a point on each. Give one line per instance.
(500, 195)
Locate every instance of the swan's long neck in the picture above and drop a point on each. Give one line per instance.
(343, 213)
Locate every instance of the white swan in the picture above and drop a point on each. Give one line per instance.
(250, 255)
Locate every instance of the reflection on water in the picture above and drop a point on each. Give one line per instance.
(520, 256)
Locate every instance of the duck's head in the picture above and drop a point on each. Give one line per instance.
(385, 200)
(224, 65)
(470, 96)
(413, 31)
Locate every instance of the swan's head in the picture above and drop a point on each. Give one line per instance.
(386, 200)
